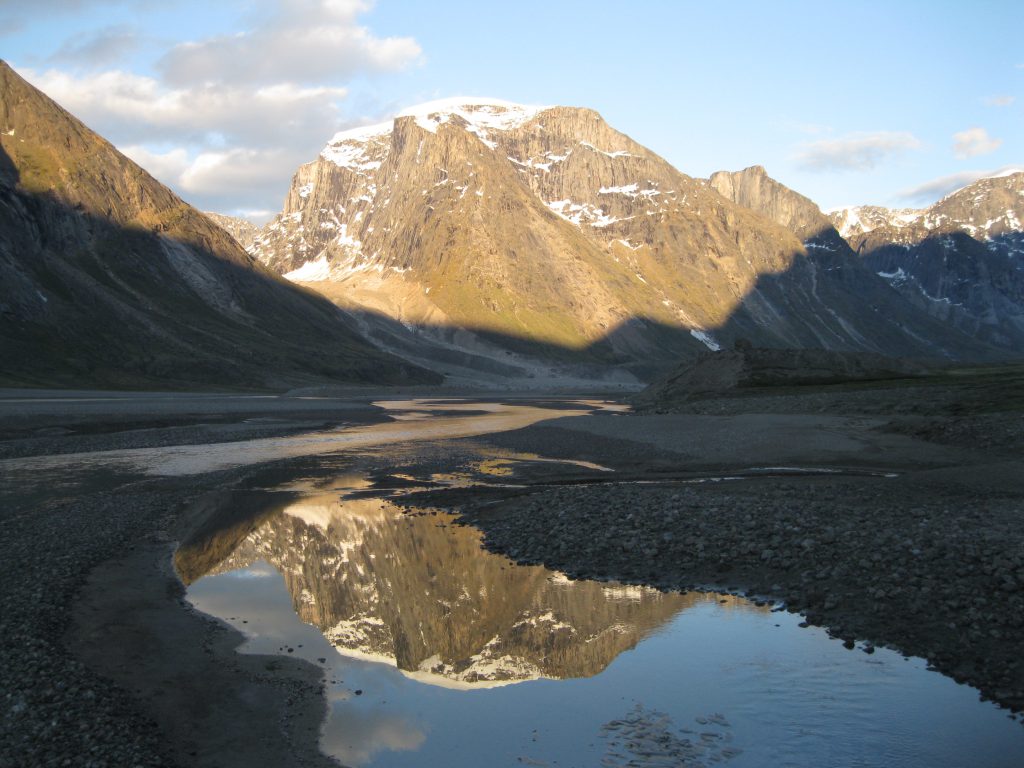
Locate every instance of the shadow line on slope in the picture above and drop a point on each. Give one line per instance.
(86, 300)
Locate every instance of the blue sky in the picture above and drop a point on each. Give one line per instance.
(890, 103)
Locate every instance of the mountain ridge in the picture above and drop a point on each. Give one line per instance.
(549, 226)
(959, 259)
(109, 279)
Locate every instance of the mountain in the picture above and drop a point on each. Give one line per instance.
(960, 260)
(108, 279)
(495, 233)
(874, 231)
(386, 586)
(243, 230)
(753, 188)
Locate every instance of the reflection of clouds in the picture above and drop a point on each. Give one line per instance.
(354, 736)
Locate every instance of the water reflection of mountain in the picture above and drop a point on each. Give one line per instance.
(423, 595)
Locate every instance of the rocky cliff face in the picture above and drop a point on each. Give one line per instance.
(428, 599)
(545, 231)
(961, 260)
(856, 283)
(753, 188)
(108, 279)
(243, 230)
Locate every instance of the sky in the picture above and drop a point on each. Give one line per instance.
(889, 103)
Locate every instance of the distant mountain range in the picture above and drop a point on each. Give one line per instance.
(484, 241)
(108, 279)
(961, 260)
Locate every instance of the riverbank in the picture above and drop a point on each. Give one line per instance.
(903, 530)
(907, 534)
(102, 661)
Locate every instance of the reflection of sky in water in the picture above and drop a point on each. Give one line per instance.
(787, 696)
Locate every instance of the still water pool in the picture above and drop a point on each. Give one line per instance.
(438, 653)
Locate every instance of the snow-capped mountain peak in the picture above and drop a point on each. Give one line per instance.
(353, 147)
(861, 219)
(480, 113)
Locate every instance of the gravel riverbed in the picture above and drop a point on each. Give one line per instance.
(939, 577)
(102, 663)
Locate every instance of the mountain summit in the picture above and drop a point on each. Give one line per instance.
(960, 260)
(495, 230)
(108, 279)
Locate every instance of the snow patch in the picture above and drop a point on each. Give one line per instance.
(480, 115)
(628, 189)
(361, 134)
(581, 213)
(311, 272)
(706, 339)
(616, 153)
(896, 277)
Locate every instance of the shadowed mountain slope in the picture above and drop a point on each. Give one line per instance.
(961, 260)
(243, 230)
(108, 279)
(862, 282)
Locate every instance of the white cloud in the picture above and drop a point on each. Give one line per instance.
(855, 151)
(244, 173)
(258, 216)
(974, 142)
(100, 47)
(133, 109)
(227, 120)
(15, 14)
(932, 190)
(230, 180)
(999, 101)
(303, 41)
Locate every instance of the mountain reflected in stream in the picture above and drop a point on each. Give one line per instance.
(436, 652)
(421, 594)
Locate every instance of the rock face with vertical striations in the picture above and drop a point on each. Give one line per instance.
(243, 230)
(960, 260)
(108, 279)
(753, 188)
(485, 228)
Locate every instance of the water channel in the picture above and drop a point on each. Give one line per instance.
(438, 653)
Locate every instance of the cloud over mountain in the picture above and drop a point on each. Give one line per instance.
(219, 109)
(973, 142)
(101, 47)
(303, 41)
(930, 191)
(855, 151)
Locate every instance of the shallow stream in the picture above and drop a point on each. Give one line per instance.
(438, 653)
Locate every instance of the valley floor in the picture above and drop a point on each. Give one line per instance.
(892, 515)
